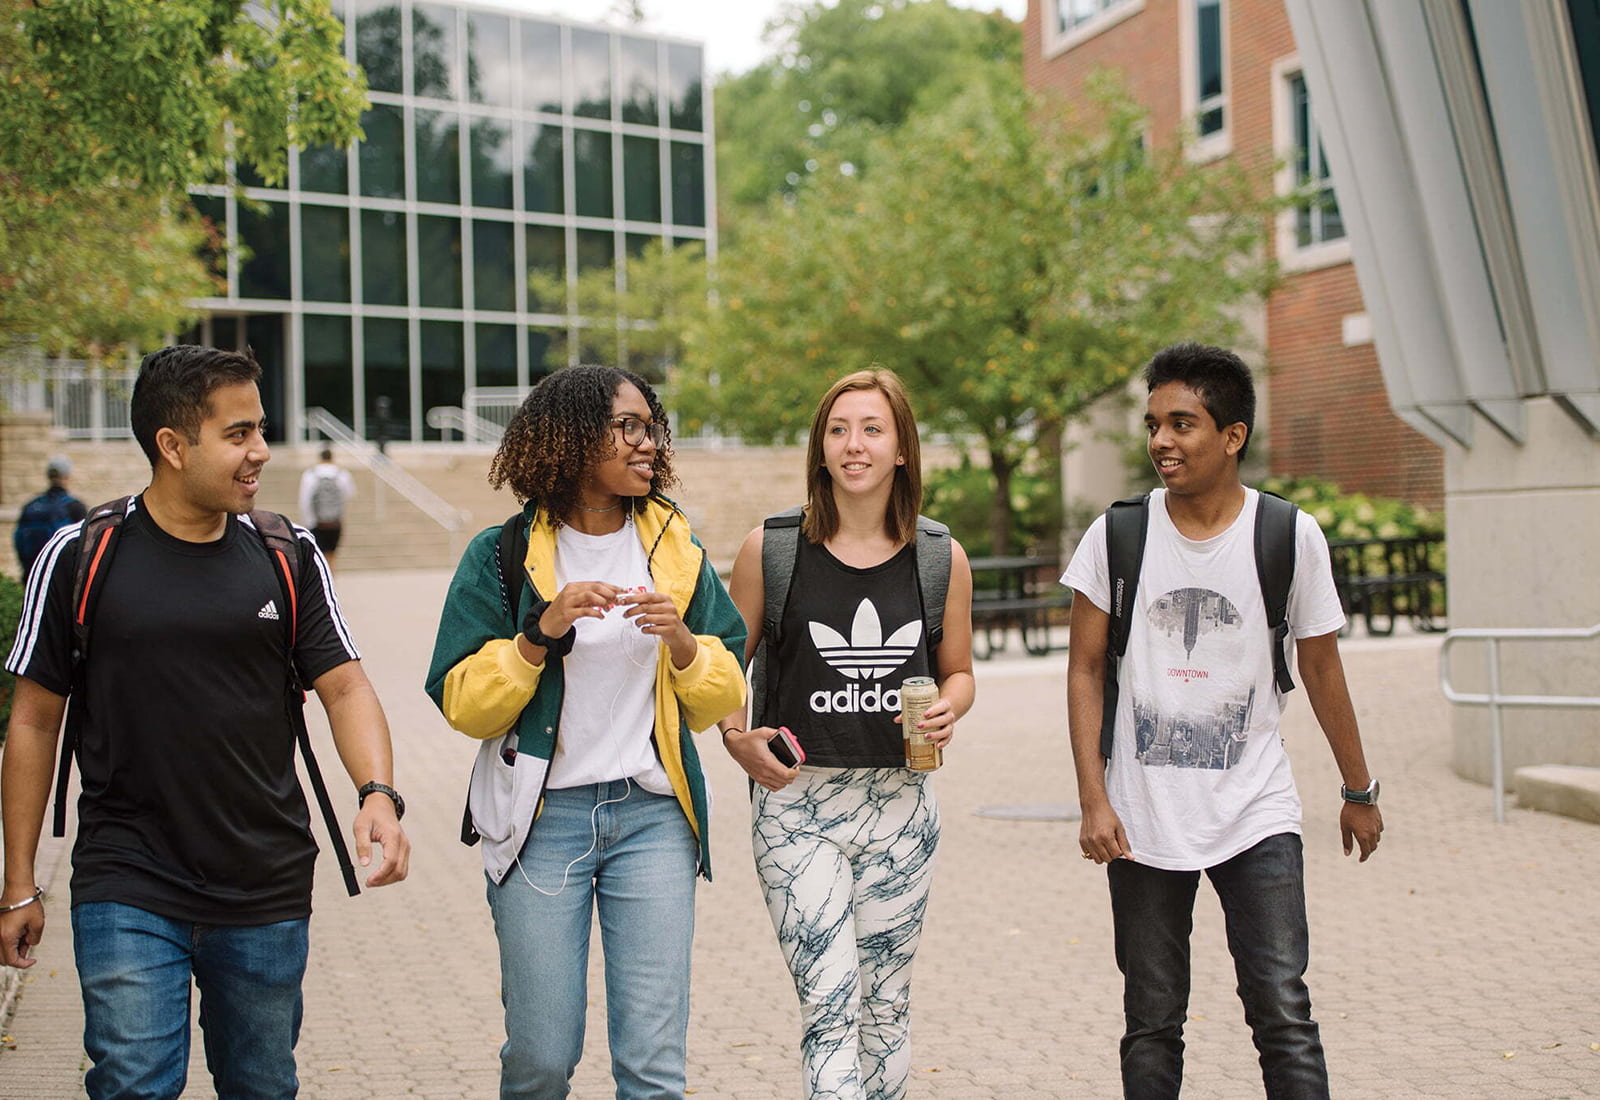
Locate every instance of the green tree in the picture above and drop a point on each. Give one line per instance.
(109, 111)
(844, 75)
(1012, 263)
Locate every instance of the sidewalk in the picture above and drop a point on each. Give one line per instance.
(1461, 961)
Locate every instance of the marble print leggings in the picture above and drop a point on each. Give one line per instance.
(845, 858)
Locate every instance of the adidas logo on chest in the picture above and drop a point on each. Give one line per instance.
(864, 656)
(269, 611)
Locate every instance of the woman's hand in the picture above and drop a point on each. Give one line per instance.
(938, 723)
(656, 615)
(578, 600)
(749, 748)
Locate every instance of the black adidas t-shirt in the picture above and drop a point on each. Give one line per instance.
(191, 807)
(849, 637)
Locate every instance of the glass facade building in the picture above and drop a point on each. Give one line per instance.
(396, 273)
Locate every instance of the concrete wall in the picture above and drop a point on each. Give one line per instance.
(1516, 513)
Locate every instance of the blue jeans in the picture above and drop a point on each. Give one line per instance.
(1262, 890)
(632, 855)
(135, 968)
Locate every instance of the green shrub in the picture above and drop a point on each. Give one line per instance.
(960, 497)
(1355, 515)
(10, 613)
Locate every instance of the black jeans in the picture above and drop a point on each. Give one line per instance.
(1262, 890)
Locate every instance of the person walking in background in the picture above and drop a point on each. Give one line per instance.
(194, 851)
(582, 642)
(324, 491)
(1197, 777)
(46, 513)
(844, 844)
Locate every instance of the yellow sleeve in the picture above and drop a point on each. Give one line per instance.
(485, 693)
(712, 687)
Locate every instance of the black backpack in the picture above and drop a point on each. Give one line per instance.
(1127, 522)
(40, 518)
(780, 542)
(96, 546)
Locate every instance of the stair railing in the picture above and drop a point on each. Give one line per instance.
(387, 472)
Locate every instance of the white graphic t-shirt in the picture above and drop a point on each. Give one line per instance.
(1198, 771)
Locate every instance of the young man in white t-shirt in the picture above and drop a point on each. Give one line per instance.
(1198, 779)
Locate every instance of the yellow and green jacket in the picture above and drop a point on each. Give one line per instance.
(487, 691)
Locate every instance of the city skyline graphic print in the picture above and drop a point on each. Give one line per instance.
(1193, 708)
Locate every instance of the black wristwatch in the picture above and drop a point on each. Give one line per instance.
(556, 647)
(382, 788)
(1361, 797)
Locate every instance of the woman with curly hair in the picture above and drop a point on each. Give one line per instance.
(583, 682)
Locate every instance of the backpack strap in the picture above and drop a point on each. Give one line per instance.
(1275, 558)
(933, 577)
(1127, 524)
(780, 545)
(511, 553)
(96, 544)
(283, 546)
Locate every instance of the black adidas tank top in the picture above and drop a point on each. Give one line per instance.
(849, 637)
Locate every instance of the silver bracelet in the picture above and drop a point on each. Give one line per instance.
(38, 892)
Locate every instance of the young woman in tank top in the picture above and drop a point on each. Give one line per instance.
(844, 843)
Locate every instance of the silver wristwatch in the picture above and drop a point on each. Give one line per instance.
(1360, 796)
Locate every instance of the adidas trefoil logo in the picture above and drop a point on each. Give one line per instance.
(270, 611)
(866, 655)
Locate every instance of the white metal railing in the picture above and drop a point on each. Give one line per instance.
(387, 472)
(1495, 699)
(493, 405)
(85, 400)
(473, 428)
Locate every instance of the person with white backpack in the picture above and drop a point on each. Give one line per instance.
(324, 491)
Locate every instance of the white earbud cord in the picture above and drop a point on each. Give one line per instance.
(628, 647)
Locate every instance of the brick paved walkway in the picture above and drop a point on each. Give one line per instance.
(1462, 961)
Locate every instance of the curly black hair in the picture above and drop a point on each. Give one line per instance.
(562, 430)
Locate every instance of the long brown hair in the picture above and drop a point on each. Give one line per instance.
(905, 497)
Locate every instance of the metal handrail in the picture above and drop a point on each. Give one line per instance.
(473, 428)
(454, 520)
(1494, 699)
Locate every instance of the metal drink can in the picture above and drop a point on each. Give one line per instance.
(917, 694)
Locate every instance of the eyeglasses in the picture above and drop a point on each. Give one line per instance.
(634, 430)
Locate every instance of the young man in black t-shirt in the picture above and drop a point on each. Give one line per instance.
(194, 852)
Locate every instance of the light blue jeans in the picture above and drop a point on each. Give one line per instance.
(135, 969)
(633, 856)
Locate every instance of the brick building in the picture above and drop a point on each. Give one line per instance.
(1227, 72)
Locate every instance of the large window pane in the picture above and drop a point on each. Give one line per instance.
(492, 157)
(435, 53)
(439, 261)
(597, 248)
(688, 183)
(591, 154)
(1208, 39)
(324, 168)
(545, 352)
(387, 376)
(264, 230)
(684, 92)
(329, 377)
(641, 82)
(213, 210)
(494, 265)
(489, 59)
(496, 355)
(542, 188)
(641, 179)
(438, 157)
(591, 73)
(383, 153)
(547, 268)
(383, 257)
(378, 43)
(444, 368)
(541, 67)
(325, 253)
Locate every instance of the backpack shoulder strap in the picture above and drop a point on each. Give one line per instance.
(780, 545)
(277, 533)
(933, 576)
(510, 552)
(1127, 524)
(1275, 557)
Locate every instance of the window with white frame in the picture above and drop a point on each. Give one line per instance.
(1210, 99)
(1316, 211)
(1073, 17)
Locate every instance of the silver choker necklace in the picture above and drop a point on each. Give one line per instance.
(613, 508)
